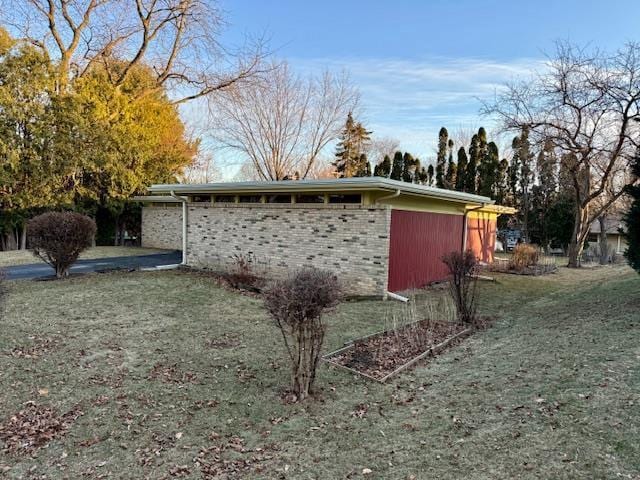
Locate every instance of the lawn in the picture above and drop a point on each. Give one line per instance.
(25, 257)
(170, 376)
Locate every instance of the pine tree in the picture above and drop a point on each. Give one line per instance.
(461, 170)
(397, 167)
(430, 175)
(502, 182)
(526, 178)
(443, 143)
(353, 139)
(383, 169)
(632, 219)
(471, 177)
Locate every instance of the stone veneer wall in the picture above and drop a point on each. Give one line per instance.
(162, 227)
(351, 240)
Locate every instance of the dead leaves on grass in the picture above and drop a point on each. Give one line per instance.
(39, 348)
(232, 459)
(35, 426)
(172, 374)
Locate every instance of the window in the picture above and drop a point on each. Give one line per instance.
(225, 198)
(312, 198)
(278, 198)
(250, 198)
(350, 198)
(201, 199)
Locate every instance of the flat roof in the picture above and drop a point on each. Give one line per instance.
(330, 185)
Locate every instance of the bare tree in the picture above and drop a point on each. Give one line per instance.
(178, 39)
(284, 122)
(377, 148)
(585, 104)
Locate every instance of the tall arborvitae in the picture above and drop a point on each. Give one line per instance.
(471, 177)
(461, 170)
(363, 167)
(353, 140)
(430, 175)
(397, 166)
(526, 178)
(513, 173)
(409, 167)
(502, 182)
(441, 160)
(632, 219)
(487, 177)
(543, 195)
(452, 168)
(383, 169)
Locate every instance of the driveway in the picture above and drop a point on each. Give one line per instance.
(42, 270)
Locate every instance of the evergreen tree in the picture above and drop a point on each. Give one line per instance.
(383, 169)
(397, 167)
(502, 182)
(461, 170)
(543, 194)
(443, 143)
(471, 177)
(452, 169)
(363, 167)
(632, 219)
(488, 175)
(526, 178)
(430, 175)
(353, 139)
(409, 166)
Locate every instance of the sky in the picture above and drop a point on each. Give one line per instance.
(420, 65)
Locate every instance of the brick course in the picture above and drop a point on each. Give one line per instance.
(351, 240)
(162, 227)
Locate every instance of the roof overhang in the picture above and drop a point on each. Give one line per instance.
(156, 198)
(330, 185)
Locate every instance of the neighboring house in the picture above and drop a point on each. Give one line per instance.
(377, 234)
(615, 230)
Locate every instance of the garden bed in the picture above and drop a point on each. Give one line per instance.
(504, 266)
(382, 355)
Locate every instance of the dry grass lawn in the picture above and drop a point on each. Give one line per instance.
(25, 257)
(165, 375)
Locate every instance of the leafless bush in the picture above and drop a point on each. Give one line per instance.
(297, 304)
(462, 283)
(242, 272)
(524, 255)
(58, 238)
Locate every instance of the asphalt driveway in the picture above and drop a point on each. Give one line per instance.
(42, 270)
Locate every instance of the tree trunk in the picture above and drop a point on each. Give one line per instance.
(602, 241)
(116, 233)
(23, 237)
(580, 231)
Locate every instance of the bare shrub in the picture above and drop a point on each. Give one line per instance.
(58, 238)
(297, 304)
(242, 271)
(524, 255)
(462, 283)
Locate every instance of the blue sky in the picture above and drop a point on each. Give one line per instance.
(423, 64)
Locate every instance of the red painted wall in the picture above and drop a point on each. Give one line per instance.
(481, 238)
(418, 242)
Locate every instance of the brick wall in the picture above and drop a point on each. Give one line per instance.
(162, 227)
(351, 240)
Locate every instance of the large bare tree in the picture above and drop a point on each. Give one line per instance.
(178, 39)
(282, 123)
(585, 104)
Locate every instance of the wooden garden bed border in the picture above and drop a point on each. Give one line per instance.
(430, 351)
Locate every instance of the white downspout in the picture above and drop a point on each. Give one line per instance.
(184, 225)
(393, 195)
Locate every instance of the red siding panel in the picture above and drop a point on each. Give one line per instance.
(481, 238)
(418, 242)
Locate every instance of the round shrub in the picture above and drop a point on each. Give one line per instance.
(58, 238)
(296, 304)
